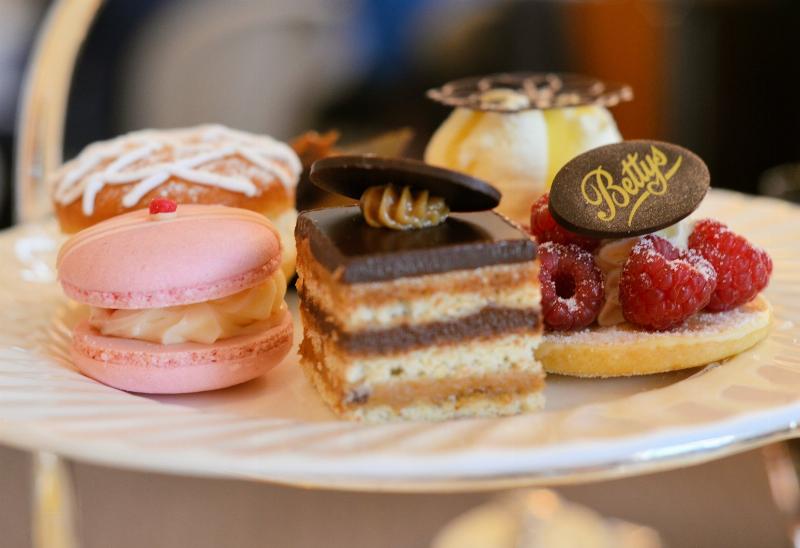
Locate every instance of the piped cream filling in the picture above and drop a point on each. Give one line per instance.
(284, 223)
(248, 311)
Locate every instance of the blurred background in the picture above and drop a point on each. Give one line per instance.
(716, 76)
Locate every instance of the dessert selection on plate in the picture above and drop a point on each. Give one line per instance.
(418, 301)
(516, 130)
(629, 285)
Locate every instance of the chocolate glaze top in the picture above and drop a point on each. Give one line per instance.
(355, 252)
(352, 175)
(539, 90)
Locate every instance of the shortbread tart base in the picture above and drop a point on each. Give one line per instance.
(623, 350)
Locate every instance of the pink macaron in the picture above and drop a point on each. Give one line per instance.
(147, 266)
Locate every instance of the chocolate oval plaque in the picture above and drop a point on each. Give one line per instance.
(352, 175)
(628, 189)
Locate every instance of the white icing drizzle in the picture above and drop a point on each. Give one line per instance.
(186, 150)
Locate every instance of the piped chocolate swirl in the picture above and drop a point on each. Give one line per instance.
(402, 208)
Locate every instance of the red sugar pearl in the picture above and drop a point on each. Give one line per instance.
(162, 205)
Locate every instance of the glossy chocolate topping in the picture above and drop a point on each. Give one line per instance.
(344, 244)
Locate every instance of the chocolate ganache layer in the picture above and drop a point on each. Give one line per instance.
(489, 322)
(355, 252)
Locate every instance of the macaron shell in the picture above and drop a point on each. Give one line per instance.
(134, 261)
(150, 368)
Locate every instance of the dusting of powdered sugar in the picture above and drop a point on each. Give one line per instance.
(610, 257)
(681, 258)
(572, 304)
(702, 266)
(701, 325)
(725, 229)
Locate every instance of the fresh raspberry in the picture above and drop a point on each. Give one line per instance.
(743, 270)
(661, 285)
(572, 286)
(162, 205)
(545, 229)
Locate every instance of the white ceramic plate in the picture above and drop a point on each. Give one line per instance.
(276, 429)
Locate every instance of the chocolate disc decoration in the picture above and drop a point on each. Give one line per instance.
(628, 189)
(352, 175)
(532, 90)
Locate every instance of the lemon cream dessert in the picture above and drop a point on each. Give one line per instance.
(517, 130)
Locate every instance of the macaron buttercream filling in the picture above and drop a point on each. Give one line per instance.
(610, 258)
(254, 309)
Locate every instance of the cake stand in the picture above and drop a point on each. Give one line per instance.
(275, 428)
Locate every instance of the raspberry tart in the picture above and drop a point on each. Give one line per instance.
(630, 286)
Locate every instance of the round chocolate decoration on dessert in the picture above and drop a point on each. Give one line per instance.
(628, 189)
(352, 175)
(517, 91)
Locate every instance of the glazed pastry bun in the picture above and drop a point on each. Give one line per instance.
(207, 164)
